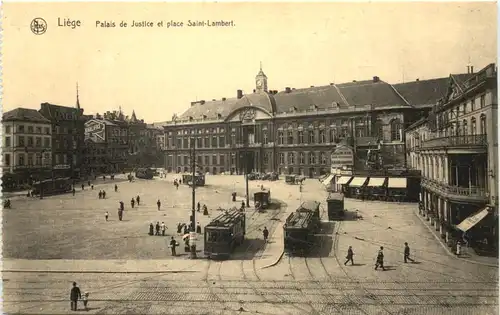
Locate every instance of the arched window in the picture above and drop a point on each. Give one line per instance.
(473, 126)
(483, 124)
(465, 129)
(396, 130)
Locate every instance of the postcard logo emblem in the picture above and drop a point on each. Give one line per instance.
(38, 26)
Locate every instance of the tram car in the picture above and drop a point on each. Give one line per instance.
(144, 173)
(335, 203)
(52, 186)
(224, 233)
(199, 179)
(300, 227)
(262, 199)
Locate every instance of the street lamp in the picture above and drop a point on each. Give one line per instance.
(192, 235)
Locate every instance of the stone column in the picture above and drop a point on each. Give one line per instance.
(446, 170)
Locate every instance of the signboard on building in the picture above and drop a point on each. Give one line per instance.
(341, 157)
(95, 130)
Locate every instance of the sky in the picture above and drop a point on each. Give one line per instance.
(158, 71)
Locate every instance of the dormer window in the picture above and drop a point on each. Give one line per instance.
(204, 117)
(293, 109)
(313, 107)
(219, 116)
(190, 118)
(335, 104)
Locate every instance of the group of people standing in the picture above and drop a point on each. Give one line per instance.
(379, 261)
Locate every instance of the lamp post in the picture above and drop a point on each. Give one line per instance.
(192, 235)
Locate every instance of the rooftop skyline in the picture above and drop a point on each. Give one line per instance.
(158, 72)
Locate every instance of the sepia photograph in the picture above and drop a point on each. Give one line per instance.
(249, 158)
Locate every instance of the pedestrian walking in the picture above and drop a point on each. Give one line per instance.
(173, 245)
(158, 203)
(380, 259)
(157, 228)
(74, 295)
(85, 300)
(100, 194)
(88, 182)
(265, 233)
(106, 216)
(116, 188)
(103, 194)
(151, 229)
(198, 228)
(243, 205)
(73, 191)
(132, 203)
(83, 187)
(198, 207)
(407, 253)
(138, 200)
(349, 257)
(92, 187)
(163, 228)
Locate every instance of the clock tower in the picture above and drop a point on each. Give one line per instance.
(261, 81)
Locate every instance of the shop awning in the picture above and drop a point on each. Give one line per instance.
(474, 219)
(343, 180)
(327, 181)
(357, 182)
(396, 182)
(376, 182)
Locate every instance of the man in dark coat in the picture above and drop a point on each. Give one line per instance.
(157, 227)
(407, 253)
(265, 233)
(74, 296)
(173, 244)
(350, 255)
(158, 203)
(138, 200)
(380, 259)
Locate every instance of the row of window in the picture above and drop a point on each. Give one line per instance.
(290, 158)
(29, 159)
(314, 136)
(28, 129)
(28, 141)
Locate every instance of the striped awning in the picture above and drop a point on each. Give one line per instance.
(327, 181)
(343, 180)
(357, 182)
(396, 182)
(474, 219)
(376, 182)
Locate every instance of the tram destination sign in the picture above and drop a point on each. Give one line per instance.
(342, 156)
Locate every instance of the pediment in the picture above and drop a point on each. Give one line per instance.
(248, 114)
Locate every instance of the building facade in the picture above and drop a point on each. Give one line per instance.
(106, 145)
(456, 149)
(26, 149)
(68, 132)
(295, 131)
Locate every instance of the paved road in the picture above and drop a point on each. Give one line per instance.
(436, 284)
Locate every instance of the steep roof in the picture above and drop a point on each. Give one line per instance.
(24, 114)
(302, 99)
(423, 92)
(211, 109)
(378, 93)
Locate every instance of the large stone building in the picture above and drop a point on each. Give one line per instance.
(68, 132)
(294, 131)
(26, 148)
(456, 148)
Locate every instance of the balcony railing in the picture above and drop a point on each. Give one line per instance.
(455, 141)
(474, 193)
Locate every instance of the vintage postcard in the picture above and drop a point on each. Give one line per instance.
(249, 158)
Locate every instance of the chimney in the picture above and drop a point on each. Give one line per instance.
(312, 86)
(202, 102)
(239, 94)
(331, 83)
(471, 69)
(468, 69)
(193, 103)
(288, 90)
(376, 79)
(213, 99)
(254, 90)
(353, 80)
(417, 79)
(223, 98)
